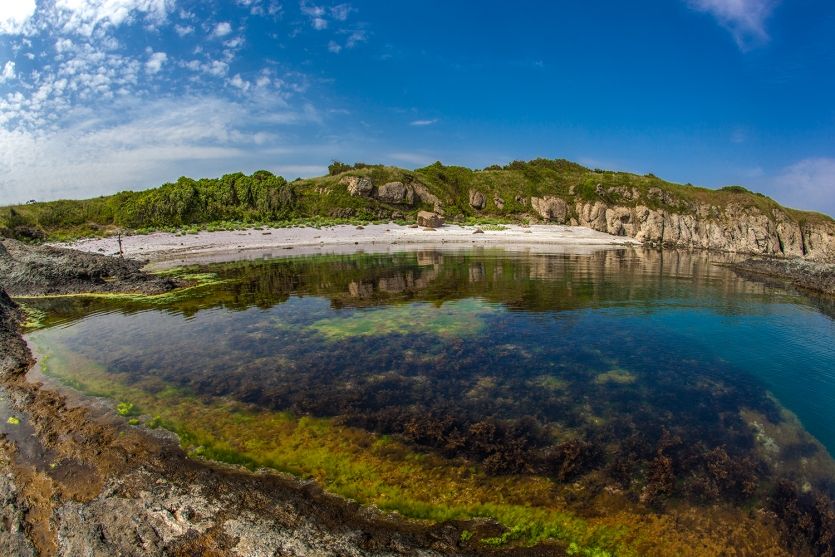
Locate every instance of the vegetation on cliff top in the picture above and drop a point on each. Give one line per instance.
(237, 200)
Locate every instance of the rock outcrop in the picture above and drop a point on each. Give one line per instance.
(477, 200)
(432, 220)
(426, 196)
(734, 228)
(396, 193)
(358, 185)
(550, 208)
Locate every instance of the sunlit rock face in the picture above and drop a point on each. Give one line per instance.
(734, 229)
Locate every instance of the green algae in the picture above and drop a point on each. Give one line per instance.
(371, 469)
(616, 376)
(196, 284)
(458, 318)
(34, 318)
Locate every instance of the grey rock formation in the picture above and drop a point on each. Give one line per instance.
(425, 196)
(550, 208)
(736, 228)
(358, 185)
(396, 193)
(432, 220)
(477, 200)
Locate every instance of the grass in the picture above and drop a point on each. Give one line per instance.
(237, 201)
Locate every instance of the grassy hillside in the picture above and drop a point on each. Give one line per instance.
(236, 200)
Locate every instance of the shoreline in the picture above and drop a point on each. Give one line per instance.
(175, 485)
(165, 247)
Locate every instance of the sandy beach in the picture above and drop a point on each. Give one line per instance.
(164, 249)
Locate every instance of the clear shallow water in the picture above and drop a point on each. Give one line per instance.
(499, 358)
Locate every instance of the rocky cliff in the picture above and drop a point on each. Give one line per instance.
(733, 221)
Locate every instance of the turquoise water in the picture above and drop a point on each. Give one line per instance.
(632, 352)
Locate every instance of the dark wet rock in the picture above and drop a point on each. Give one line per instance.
(32, 270)
(811, 275)
(431, 220)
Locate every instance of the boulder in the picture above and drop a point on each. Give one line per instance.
(550, 208)
(358, 185)
(429, 219)
(477, 200)
(499, 202)
(426, 196)
(396, 193)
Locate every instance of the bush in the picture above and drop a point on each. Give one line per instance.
(337, 167)
(735, 189)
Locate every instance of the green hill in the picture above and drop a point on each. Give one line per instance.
(263, 198)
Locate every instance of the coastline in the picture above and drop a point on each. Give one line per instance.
(162, 247)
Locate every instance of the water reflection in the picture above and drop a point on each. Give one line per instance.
(653, 370)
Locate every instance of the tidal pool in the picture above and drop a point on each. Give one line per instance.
(592, 400)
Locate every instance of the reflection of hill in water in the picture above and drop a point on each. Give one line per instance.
(486, 356)
(520, 281)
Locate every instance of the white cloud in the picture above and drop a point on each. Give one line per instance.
(158, 141)
(14, 14)
(8, 72)
(239, 83)
(311, 10)
(155, 62)
(222, 29)
(808, 184)
(319, 23)
(183, 30)
(82, 17)
(334, 47)
(423, 122)
(745, 19)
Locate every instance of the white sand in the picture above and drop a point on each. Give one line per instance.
(165, 249)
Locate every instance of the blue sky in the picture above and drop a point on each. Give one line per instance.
(98, 96)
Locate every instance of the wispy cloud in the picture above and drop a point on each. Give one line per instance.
(423, 122)
(745, 19)
(417, 159)
(98, 111)
(808, 184)
(203, 135)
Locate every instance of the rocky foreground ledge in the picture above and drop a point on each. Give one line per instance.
(809, 275)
